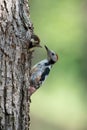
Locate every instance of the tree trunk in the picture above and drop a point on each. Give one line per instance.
(15, 64)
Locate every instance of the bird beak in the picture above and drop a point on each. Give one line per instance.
(48, 51)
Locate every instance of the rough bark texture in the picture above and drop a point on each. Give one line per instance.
(15, 60)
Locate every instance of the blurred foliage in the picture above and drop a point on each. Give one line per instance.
(61, 103)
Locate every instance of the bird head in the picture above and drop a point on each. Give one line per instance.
(52, 56)
(35, 41)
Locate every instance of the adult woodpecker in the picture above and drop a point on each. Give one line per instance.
(41, 70)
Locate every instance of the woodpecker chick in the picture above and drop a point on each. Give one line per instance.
(34, 42)
(41, 70)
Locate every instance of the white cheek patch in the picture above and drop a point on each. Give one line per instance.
(32, 40)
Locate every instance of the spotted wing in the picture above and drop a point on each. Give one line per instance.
(38, 75)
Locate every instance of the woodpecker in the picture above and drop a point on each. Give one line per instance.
(41, 70)
(31, 43)
(34, 42)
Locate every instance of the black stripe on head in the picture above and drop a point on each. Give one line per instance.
(44, 74)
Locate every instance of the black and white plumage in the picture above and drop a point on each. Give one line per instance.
(41, 70)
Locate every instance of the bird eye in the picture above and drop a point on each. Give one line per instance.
(52, 54)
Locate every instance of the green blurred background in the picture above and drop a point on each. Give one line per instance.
(61, 103)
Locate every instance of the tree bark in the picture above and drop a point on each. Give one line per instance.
(15, 63)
